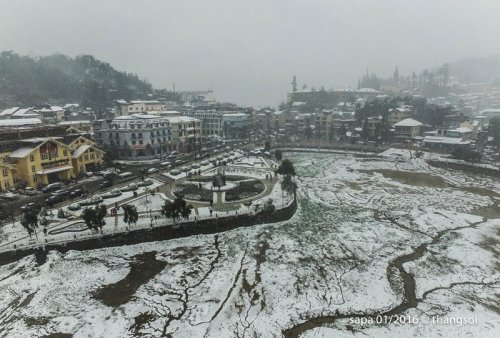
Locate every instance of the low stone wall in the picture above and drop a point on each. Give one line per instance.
(157, 233)
(354, 153)
(339, 146)
(465, 167)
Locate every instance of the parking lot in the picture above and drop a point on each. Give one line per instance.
(14, 204)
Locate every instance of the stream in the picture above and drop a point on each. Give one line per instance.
(409, 296)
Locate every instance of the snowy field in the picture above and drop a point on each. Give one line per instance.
(372, 235)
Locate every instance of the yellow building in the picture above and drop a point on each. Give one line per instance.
(42, 161)
(85, 156)
(6, 173)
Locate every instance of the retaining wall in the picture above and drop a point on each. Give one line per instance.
(156, 233)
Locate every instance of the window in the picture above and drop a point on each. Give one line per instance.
(44, 156)
(133, 142)
(140, 135)
(133, 135)
(86, 157)
(65, 152)
(91, 156)
(32, 158)
(140, 141)
(34, 180)
(5, 172)
(33, 169)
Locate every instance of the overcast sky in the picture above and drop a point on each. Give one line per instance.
(248, 51)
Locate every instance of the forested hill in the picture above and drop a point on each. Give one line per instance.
(59, 79)
(477, 69)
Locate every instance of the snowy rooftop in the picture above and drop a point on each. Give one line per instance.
(409, 122)
(9, 111)
(39, 139)
(137, 116)
(53, 170)
(67, 123)
(80, 150)
(19, 122)
(21, 152)
(182, 119)
(462, 130)
(445, 140)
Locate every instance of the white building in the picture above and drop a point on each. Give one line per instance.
(136, 136)
(143, 136)
(19, 113)
(186, 132)
(126, 108)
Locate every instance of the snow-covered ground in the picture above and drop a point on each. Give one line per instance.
(357, 218)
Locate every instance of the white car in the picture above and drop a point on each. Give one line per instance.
(152, 170)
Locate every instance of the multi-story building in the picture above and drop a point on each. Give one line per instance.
(407, 128)
(136, 136)
(213, 122)
(142, 136)
(398, 114)
(235, 126)
(43, 160)
(85, 156)
(7, 171)
(127, 108)
(49, 114)
(186, 132)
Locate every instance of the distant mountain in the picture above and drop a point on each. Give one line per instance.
(477, 69)
(59, 79)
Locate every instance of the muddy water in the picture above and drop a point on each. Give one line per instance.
(489, 212)
(144, 267)
(415, 179)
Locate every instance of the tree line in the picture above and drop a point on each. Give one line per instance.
(28, 81)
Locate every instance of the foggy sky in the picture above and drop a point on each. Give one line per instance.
(248, 51)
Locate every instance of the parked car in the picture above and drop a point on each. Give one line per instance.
(9, 196)
(105, 184)
(110, 176)
(112, 193)
(52, 187)
(152, 170)
(30, 191)
(52, 200)
(76, 193)
(130, 187)
(61, 192)
(74, 206)
(91, 201)
(30, 206)
(145, 183)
